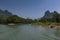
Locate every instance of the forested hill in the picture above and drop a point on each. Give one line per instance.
(49, 14)
(8, 17)
(51, 17)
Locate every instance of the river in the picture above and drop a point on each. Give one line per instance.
(28, 32)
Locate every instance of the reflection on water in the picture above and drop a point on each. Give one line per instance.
(28, 32)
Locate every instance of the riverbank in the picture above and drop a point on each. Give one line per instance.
(47, 23)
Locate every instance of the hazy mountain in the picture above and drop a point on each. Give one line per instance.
(49, 14)
(5, 13)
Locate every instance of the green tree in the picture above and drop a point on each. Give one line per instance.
(56, 17)
(14, 19)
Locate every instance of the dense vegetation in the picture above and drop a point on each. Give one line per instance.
(49, 17)
(7, 17)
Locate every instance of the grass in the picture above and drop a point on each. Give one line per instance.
(46, 23)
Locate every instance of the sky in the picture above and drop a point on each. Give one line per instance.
(30, 8)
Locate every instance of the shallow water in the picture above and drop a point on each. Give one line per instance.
(28, 32)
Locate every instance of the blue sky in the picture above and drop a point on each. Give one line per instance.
(30, 8)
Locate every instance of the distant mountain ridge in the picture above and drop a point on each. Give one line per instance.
(49, 14)
(5, 13)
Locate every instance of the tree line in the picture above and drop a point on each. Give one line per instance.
(7, 17)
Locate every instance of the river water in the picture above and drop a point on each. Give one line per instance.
(28, 32)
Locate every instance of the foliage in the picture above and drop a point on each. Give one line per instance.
(54, 18)
(8, 17)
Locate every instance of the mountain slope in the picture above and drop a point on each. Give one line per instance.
(5, 13)
(49, 14)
